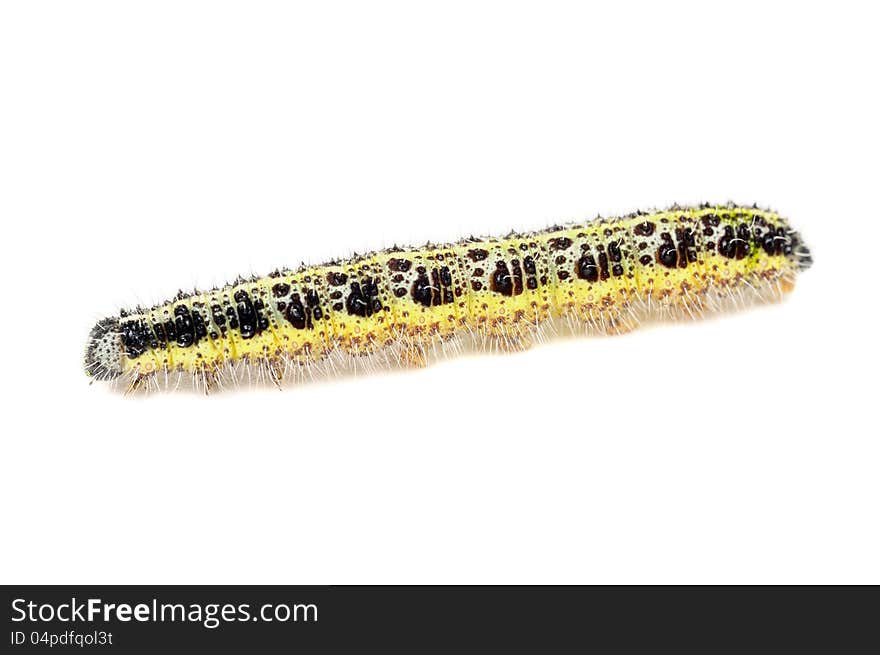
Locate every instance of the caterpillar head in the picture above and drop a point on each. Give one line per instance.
(103, 360)
(800, 254)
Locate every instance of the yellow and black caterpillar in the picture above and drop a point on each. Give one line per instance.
(400, 305)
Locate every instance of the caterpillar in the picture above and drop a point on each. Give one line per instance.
(405, 306)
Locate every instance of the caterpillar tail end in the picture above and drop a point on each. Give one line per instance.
(103, 359)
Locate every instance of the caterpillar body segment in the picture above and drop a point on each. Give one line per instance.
(403, 306)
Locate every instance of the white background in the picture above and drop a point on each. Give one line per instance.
(150, 146)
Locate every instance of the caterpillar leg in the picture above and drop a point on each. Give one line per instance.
(513, 343)
(206, 379)
(276, 369)
(602, 320)
(412, 356)
(136, 382)
(210, 382)
(621, 322)
(507, 337)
